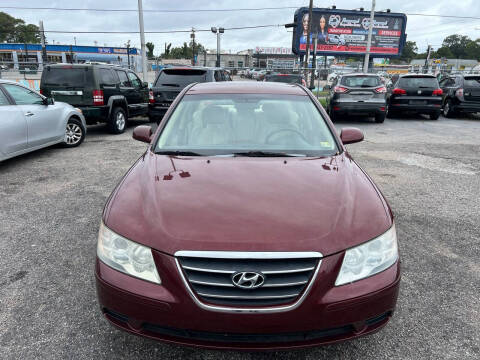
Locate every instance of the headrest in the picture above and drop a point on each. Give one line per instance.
(214, 114)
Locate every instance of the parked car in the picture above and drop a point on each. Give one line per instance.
(29, 121)
(417, 93)
(170, 81)
(293, 247)
(105, 93)
(461, 94)
(361, 94)
(286, 78)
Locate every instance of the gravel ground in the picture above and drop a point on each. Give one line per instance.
(52, 200)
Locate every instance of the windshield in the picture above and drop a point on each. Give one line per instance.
(360, 81)
(420, 81)
(67, 76)
(180, 77)
(290, 79)
(472, 81)
(225, 124)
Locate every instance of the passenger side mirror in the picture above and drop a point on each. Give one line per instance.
(351, 135)
(145, 84)
(143, 133)
(48, 101)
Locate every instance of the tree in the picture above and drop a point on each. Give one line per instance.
(472, 50)
(409, 51)
(15, 30)
(443, 52)
(183, 52)
(150, 46)
(457, 45)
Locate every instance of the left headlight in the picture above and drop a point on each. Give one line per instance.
(369, 259)
(126, 256)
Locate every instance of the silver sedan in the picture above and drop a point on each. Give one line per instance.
(29, 121)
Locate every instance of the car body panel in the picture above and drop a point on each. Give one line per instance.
(469, 102)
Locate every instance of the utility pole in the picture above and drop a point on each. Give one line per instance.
(307, 51)
(218, 32)
(425, 67)
(369, 40)
(194, 58)
(142, 40)
(314, 61)
(128, 53)
(42, 39)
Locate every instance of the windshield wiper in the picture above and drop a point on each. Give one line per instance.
(177, 152)
(258, 153)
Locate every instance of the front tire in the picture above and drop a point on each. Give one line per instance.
(435, 115)
(447, 109)
(118, 121)
(379, 118)
(74, 133)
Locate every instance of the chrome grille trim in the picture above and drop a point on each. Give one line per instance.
(248, 296)
(233, 272)
(249, 255)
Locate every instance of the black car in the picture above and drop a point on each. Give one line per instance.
(105, 93)
(460, 94)
(286, 78)
(170, 81)
(362, 94)
(417, 93)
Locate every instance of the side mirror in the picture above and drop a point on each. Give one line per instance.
(145, 84)
(143, 133)
(311, 88)
(351, 135)
(48, 101)
(326, 88)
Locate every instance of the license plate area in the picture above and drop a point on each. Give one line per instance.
(418, 102)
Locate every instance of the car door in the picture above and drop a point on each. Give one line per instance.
(447, 85)
(43, 121)
(13, 127)
(126, 88)
(140, 95)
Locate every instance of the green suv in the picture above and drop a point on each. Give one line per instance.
(105, 93)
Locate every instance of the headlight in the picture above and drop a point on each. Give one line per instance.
(126, 256)
(370, 258)
(79, 110)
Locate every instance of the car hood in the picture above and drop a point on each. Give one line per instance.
(247, 204)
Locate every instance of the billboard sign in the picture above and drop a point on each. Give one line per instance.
(345, 32)
(273, 50)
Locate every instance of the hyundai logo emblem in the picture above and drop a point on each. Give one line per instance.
(248, 279)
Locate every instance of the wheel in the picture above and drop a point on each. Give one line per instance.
(391, 114)
(435, 115)
(379, 118)
(447, 109)
(74, 133)
(118, 121)
(332, 115)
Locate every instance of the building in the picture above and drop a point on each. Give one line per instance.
(22, 56)
(242, 59)
(274, 58)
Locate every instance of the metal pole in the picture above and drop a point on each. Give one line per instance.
(218, 48)
(128, 53)
(193, 47)
(314, 61)
(369, 40)
(307, 51)
(142, 40)
(42, 39)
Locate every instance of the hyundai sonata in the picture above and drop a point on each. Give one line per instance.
(246, 224)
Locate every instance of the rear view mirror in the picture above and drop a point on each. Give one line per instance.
(351, 135)
(143, 133)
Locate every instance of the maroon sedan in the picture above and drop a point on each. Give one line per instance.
(246, 224)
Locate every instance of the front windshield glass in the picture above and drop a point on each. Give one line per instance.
(226, 124)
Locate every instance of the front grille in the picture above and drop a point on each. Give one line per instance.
(210, 275)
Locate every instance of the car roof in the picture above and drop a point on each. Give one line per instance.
(246, 87)
(359, 74)
(419, 75)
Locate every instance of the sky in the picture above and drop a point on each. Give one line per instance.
(423, 30)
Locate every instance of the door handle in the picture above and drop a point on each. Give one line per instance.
(28, 113)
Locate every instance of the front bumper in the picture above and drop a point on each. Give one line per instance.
(167, 312)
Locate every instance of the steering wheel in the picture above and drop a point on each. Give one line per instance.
(283, 130)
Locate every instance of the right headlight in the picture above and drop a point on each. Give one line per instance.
(369, 258)
(126, 256)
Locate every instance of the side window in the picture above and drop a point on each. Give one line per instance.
(23, 96)
(3, 99)
(450, 82)
(123, 78)
(134, 80)
(108, 77)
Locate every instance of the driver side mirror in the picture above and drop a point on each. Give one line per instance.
(351, 135)
(145, 84)
(143, 133)
(48, 101)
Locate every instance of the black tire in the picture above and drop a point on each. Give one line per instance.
(74, 133)
(435, 115)
(118, 121)
(379, 118)
(447, 109)
(332, 115)
(392, 114)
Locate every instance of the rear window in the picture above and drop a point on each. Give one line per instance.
(289, 79)
(360, 81)
(418, 81)
(169, 77)
(472, 81)
(67, 76)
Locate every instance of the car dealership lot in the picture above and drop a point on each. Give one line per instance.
(52, 200)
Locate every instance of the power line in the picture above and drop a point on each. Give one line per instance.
(148, 10)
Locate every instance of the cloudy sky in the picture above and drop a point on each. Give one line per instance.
(423, 30)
